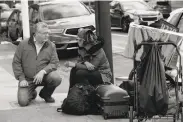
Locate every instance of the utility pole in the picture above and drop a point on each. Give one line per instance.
(25, 19)
(0, 21)
(103, 28)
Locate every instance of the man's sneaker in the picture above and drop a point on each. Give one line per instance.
(34, 94)
(47, 99)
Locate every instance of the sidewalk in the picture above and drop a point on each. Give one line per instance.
(38, 110)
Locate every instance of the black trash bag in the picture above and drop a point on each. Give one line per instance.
(80, 100)
(153, 92)
(129, 86)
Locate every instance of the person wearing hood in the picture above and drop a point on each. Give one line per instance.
(92, 65)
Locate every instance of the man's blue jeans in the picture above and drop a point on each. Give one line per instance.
(50, 82)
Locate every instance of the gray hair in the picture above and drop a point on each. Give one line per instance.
(40, 25)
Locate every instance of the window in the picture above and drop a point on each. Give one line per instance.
(131, 5)
(5, 15)
(114, 5)
(180, 25)
(174, 19)
(63, 10)
(34, 15)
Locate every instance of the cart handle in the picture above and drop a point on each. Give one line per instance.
(138, 46)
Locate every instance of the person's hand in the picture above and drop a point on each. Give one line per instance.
(39, 77)
(23, 83)
(69, 64)
(89, 66)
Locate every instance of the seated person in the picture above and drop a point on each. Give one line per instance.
(92, 65)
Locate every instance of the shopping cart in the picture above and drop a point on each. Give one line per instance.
(135, 112)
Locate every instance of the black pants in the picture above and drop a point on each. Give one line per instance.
(50, 82)
(80, 75)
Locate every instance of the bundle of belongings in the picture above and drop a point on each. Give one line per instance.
(170, 80)
(156, 97)
(80, 100)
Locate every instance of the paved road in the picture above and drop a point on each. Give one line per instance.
(39, 109)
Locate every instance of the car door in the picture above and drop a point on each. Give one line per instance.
(14, 25)
(180, 23)
(115, 14)
(177, 21)
(34, 18)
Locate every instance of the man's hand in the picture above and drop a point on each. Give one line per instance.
(39, 77)
(23, 83)
(89, 66)
(69, 64)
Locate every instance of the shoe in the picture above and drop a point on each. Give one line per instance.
(47, 99)
(34, 94)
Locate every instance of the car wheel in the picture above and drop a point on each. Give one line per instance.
(14, 36)
(62, 54)
(124, 26)
(125, 23)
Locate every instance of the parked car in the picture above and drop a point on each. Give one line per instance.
(175, 4)
(4, 15)
(64, 18)
(17, 6)
(123, 12)
(4, 6)
(164, 7)
(176, 19)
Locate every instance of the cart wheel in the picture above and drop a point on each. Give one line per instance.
(105, 116)
(131, 114)
(175, 118)
(140, 120)
(127, 115)
(182, 114)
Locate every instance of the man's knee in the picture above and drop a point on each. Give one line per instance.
(23, 97)
(55, 78)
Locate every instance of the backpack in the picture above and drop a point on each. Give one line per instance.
(80, 100)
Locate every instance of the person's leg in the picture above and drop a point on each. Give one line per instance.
(72, 78)
(26, 94)
(50, 82)
(81, 76)
(93, 77)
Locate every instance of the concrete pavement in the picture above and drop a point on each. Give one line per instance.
(38, 110)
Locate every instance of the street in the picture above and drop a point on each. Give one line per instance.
(40, 109)
(62, 22)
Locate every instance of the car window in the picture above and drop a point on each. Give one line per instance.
(5, 15)
(4, 6)
(180, 25)
(174, 19)
(20, 16)
(63, 10)
(137, 5)
(118, 6)
(162, 3)
(113, 4)
(14, 17)
(34, 15)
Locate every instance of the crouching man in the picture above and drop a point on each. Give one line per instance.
(34, 64)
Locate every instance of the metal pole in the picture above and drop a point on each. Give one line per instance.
(103, 28)
(0, 21)
(25, 19)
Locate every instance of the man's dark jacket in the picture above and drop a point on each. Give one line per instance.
(26, 63)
